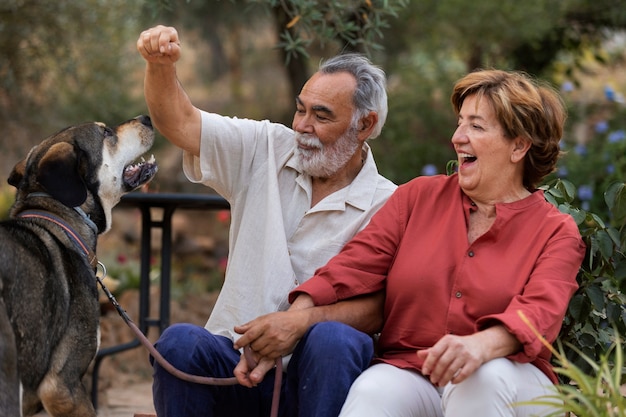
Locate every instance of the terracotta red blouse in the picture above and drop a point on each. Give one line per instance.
(416, 248)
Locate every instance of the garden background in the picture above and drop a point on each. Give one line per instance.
(63, 63)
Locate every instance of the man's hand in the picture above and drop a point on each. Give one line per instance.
(266, 339)
(159, 45)
(251, 374)
(273, 335)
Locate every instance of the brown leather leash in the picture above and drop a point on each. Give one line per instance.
(206, 380)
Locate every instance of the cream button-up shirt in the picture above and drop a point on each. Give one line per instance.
(276, 240)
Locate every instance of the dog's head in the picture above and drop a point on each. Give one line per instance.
(89, 166)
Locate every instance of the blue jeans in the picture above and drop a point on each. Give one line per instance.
(324, 364)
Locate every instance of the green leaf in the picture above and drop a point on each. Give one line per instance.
(596, 296)
(615, 198)
(605, 243)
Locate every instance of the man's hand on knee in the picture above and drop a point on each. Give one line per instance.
(251, 374)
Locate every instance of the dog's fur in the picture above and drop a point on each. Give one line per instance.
(49, 311)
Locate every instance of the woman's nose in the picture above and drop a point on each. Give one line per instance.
(459, 135)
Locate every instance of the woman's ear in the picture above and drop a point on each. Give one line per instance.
(520, 148)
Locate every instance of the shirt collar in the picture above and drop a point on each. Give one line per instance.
(360, 193)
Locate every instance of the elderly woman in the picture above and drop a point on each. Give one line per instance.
(458, 257)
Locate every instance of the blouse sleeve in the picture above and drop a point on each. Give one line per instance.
(546, 295)
(361, 266)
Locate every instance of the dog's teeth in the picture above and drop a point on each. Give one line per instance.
(152, 159)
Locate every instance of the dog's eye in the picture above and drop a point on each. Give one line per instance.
(108, 132)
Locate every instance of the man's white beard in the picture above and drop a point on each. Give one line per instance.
(325, 161)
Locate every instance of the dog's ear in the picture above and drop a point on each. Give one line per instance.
(58, 173)
(16, 175)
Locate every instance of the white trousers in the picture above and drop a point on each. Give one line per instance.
(493, 390)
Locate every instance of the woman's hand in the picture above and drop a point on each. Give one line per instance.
(454, 358)
(451, 359)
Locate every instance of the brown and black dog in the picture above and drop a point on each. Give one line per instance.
(49, 310)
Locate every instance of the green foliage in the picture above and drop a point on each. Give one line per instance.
(416, 137)
(355, 25)
(596, 148)
(597, 312)
(69, 58)
(594, 393)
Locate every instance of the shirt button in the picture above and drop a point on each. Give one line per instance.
(458, 294)
(470, 254)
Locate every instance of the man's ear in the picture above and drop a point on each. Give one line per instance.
(366, 125)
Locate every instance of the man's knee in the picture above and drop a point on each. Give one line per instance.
(178, 343)
(334, 338)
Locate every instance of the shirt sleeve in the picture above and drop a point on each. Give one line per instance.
(361, 267)
(546, 295)
(232, 149)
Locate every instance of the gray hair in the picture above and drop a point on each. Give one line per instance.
(370, 94)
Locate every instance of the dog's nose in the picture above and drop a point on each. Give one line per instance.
(145, 120)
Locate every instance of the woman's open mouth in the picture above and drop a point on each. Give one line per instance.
(466, 159)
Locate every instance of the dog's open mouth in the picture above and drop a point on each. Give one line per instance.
(140, 173)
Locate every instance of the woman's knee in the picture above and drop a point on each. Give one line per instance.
(492, 383)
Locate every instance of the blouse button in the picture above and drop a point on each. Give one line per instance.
(458, 294)
(470, 254)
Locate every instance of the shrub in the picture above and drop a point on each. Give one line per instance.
(596, 315)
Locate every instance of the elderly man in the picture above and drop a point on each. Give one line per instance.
(297, 196)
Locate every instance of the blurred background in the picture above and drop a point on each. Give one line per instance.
(66, 62)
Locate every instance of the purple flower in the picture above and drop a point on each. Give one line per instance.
(567, 87)
(580, 149)
(585, 192)
(602, 126)
(609, 93)
(429, 170)
(616, 136)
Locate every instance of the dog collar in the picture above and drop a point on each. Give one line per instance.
(75, 237)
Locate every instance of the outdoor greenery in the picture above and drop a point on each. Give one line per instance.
(596, 316)
(66, 62)
(595, 393)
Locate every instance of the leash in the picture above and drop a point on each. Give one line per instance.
(93, 261)
(206, 380)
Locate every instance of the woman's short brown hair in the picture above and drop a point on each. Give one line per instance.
(525, 108)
